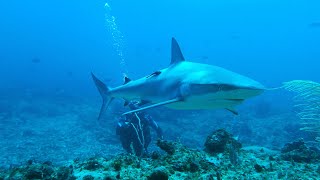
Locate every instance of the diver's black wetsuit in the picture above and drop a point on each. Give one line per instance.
(128, 129)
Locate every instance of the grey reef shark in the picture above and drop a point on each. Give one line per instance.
(183, 85)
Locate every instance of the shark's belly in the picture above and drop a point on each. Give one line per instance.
(205, 102)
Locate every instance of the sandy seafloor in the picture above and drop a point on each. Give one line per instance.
(41, 130)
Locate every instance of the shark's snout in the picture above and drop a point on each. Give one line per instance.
(249, 88)
(246, 92)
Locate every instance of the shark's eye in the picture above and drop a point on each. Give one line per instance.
(154, 74)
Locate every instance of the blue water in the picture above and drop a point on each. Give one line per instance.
(48, 48)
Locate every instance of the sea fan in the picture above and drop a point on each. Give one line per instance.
(307, 100)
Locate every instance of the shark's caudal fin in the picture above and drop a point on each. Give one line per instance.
(104, 92)
(176, 54)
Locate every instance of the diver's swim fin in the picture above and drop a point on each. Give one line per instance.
(153, 105)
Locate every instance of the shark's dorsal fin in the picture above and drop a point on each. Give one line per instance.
(126, 80)
(154, 105)
(176, 54)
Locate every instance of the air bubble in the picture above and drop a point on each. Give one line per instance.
(117, 37)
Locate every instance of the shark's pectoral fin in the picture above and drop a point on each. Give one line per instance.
(154, 105)
(232, 110)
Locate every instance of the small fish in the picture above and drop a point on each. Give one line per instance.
(69, 73)
(315, 25)
(158, 50)
(36, 60)
(204, 57)
(235, 37)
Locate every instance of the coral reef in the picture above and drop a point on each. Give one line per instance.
(219, 140)
(159, 173)
(298, 151)
(40, 145)
(166, 146)
(66, 128)
(39, 171)
(184, 163)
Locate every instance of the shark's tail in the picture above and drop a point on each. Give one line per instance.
(104, 92)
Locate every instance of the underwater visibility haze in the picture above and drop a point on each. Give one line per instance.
(190, 89)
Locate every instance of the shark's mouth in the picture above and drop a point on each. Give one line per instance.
(216, 88)
(234, 99)
(230, 100)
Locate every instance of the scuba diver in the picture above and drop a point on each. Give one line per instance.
(134, 129)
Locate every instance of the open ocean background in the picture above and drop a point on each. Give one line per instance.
(49, 104)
